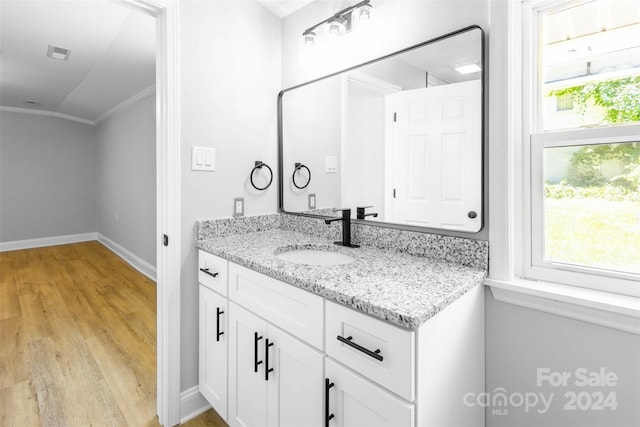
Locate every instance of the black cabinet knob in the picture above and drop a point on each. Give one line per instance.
(472, 214)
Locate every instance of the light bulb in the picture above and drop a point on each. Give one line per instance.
(309, 37)
(364, 12)
(336, 27)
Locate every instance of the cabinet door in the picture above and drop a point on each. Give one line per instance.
(247, 385)
(355, 401)
(213, 349)
(296, 384)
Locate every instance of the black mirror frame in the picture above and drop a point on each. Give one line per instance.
(391, 224)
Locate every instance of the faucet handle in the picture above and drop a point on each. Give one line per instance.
(360, 212)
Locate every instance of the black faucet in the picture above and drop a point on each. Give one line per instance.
(346, 228)
(360, 212)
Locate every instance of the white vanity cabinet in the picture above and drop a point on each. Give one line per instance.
(275, 379)
(213, 336)
(292, 358)
(355, 401)
(384, 375)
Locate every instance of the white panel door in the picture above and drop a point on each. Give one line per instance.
(247, 386)
(437, 157)
(213, 349)
(296, 382)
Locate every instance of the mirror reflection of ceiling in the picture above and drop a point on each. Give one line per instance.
(441, 59)
(112, 56)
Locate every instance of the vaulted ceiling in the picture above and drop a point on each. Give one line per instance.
(112, 56)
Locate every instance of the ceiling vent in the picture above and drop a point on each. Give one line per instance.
(60, 53)
(30, 102)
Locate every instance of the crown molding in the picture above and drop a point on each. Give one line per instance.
(124, 104)
(48, 113)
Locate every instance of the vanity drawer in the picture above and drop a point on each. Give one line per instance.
(213, 272)
(396, 370)
(295, 310)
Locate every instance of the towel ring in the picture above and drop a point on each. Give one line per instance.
(259, 165)
(293, 177)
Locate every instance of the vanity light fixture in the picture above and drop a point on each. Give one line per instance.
(339, 23)
(468, 69)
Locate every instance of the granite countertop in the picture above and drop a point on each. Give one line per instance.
(403, 289)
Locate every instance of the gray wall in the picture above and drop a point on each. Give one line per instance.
(519, 341)
(47, 177)
(230, 78)
(127, 178)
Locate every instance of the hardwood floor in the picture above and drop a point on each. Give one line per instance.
(77, 340)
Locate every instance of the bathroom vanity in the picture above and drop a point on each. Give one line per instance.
(378, 338)
(296, 331)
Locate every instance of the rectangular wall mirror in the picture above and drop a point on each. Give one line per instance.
(401, 135)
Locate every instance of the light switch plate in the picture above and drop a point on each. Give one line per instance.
(330, 164)
(203, 159)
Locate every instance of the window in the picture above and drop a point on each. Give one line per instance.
(564, 102)
(583, 227)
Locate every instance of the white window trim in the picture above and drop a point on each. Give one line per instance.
(534, 266)
(607, 309)
(508, 175)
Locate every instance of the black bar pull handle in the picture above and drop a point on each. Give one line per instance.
(348, 341)
(328, 416)
(206, 271)
(267, 369)
(256, 362)
(218, 332)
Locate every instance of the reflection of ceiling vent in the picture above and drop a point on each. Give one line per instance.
(56, 52)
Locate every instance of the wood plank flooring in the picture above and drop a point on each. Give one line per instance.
(77, 340)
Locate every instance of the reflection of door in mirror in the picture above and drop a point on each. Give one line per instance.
(434, 137)
(363, 142)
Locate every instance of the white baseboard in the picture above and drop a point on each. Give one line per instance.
(192, 404)
(46, 241)
(135, 261)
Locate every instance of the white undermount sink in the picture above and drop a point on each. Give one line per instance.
(314, 257)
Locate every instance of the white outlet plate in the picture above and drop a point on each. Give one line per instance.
(203, 159)
(238, 206)
(312, 201)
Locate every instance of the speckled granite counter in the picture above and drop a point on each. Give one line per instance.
(404, 289)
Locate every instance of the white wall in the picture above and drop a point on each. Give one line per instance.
(126, 169)
(364, 162)
(47, 177)
(308, 140)
(230, 78)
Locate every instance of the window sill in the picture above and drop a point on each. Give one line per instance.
(607, 309)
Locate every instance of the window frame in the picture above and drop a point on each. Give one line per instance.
(533, 265)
